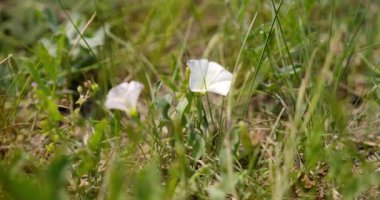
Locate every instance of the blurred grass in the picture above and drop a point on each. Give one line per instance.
(301, 121)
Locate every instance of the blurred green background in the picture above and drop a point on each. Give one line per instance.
(301, 120)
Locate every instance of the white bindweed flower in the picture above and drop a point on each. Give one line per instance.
(208, 76)
(124, 97)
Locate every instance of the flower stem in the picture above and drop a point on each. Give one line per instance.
(209, 108)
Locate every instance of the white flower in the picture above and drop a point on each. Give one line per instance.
(124, 96)
(208, 76)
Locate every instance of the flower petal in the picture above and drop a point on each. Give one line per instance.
(198, 69)
(218, 79)
(124, 96)
(116, 103)
(209, 76)
(133, 93)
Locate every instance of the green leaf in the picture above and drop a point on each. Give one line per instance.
(56, 178)
(164, 105)
(95, 141)
(18, 187)
(197, 143)
(148, 183)
(116, 182)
